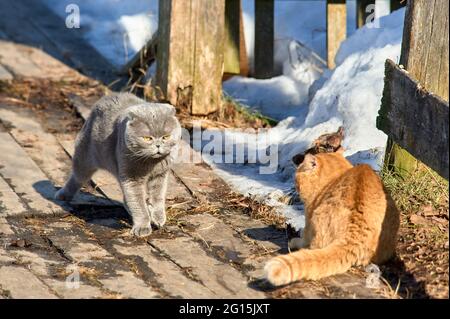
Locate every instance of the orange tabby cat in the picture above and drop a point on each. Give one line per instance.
(350, 220)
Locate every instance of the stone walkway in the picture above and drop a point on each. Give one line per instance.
(50, 249)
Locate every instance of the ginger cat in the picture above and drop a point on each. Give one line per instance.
(350, 220)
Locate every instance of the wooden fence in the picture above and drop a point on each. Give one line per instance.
(200, 42)
(414, 111)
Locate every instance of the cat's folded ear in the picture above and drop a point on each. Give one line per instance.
(173, 110)
(309, 163)
(130, 119)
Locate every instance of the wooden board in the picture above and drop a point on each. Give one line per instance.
(4, 74)
(26, 178)
(231, 49)
(425, 56)
(264, 39)
(361, 11)
(336, 28)
(415, 119)
(190, 53)
(425, 44)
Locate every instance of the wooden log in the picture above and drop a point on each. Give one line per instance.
(416, 119)
(190, 53)
(336, 28)
(425, 56)
(264, 39)
(363, 11)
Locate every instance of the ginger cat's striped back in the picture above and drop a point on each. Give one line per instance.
(350, 220)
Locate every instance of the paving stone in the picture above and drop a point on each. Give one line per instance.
(225, 241)
(262, 234)
(5, 227)
(22, 284)
(168, 274)
(221, 278)
(77, 250)
(44, 149)
(199, 179)
(10, 203)
(27, 61)
(25, 177)
(15, 58)
(81, 291)
(5, 257)
(129, 286)
(4, 74)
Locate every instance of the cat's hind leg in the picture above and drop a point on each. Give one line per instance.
(157, 188)
(82, 171)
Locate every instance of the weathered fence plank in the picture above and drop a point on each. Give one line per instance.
(190, 53)
(232, 34)
(235, 53)
(264, 39)
(336, 28)
(415, 119)
(425, 57)
(363, 11)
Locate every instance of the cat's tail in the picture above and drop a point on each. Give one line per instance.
(314, 264)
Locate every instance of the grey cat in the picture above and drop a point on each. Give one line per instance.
(136, 141)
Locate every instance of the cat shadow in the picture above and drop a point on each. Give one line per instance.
(269, 234)
(394, 272)
(93, 209)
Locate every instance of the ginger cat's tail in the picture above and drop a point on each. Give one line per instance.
(313, 264)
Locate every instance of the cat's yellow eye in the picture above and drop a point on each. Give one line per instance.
(166, 137)
(147, 138)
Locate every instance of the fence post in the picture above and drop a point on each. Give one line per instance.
(425, 56)
(264, 38)
(235, 54)
(336, 28)
(190, 53)
(363, 12)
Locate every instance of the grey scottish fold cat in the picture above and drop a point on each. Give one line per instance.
(135, 141)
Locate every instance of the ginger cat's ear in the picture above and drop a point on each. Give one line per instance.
(298, 159)
(340, 150)
(309, 163)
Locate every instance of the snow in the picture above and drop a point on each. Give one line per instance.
(307, 98)
(115, 28)
(348, 96)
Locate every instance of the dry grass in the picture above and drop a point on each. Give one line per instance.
(423, 256)
(254, 209)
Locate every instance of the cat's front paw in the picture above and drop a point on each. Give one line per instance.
(63, 195)
(141, 230)
(158, 217)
